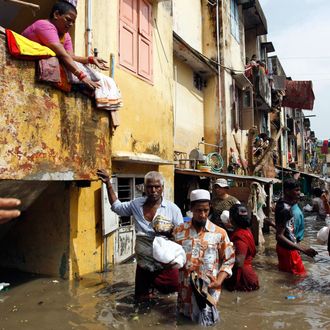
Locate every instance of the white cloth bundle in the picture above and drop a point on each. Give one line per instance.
(323, 234)
(225, 217)
(107, 96)
(167, 251)
(308, 208)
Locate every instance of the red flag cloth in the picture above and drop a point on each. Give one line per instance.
(324, 149)
(299, 94)
(25, 49)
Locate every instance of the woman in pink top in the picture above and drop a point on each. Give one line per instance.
(54, 33)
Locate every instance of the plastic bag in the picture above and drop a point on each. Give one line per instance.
(308, 208)
(323, 235)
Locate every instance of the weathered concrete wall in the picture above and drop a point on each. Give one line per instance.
(212, 116)
(47, 134)
(187, 22)
(211, 91)
(189, 110)
(146, 105)
(196, 112)
(146, 119)
(147, 116)
(233, 57)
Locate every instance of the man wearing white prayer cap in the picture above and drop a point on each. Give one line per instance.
(200, 195)
(210, 257)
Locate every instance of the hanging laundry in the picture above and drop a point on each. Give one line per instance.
(324, 149)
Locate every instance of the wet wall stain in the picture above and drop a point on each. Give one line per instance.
(45, 130)
(63, 266)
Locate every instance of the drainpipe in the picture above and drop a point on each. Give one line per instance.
(175, 100)
(219, 72)
(89, 28)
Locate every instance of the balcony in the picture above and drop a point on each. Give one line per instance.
(262, 90)
(254, 17)
(47, 134)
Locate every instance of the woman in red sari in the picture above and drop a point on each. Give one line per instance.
(244, 277)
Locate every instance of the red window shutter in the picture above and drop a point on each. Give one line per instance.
(128, 47)
(128, 12)
(145, 23)
(145, 40)
(128, 34)
(145, 58)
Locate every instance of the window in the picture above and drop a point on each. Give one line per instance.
(199, 82)
(135, 37)
(242, 110)
(234, 19)
(128, 189)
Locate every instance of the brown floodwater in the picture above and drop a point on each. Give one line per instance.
(103, 301)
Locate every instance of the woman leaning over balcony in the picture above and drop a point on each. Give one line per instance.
(54, 33)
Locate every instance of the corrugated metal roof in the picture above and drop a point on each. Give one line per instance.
(312, 175)
(227, 176)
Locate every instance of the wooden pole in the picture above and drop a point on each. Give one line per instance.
(239, 150)
(24, 3)
(251, 135)
(268, 152)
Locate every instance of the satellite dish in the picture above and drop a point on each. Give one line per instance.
(196, 154)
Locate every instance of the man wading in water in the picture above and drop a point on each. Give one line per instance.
(287, 248)
(145, 210)
(210, 258)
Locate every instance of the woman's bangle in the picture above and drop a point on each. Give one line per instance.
(90, 59)
(82, 75)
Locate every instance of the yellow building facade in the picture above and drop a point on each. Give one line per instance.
(63, 139)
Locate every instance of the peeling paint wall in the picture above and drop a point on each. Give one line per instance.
(187, 22)
(146, 119)
(47, 134)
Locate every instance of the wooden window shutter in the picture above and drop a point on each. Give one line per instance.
(247, 110)
(145, 40)
(145, 16)
(128, 34)
(235, 105)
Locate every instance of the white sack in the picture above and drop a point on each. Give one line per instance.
(322, 235)
(167, 251)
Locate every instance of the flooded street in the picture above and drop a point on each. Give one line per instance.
(104, 301)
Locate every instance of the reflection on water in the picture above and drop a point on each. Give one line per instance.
(103, 301)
